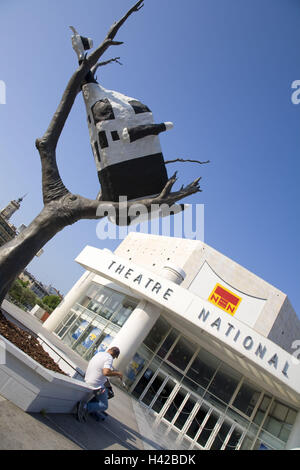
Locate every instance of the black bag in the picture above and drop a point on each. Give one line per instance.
(110, 392)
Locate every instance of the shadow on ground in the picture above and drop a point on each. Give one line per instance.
(111, 434)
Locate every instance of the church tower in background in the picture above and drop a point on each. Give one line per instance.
(11, 208)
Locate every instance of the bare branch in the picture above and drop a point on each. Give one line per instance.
(169, 198)
(186, 160)
(116, 26)
(167, 189)
(108, 41)
(87, 208)
(106, 62)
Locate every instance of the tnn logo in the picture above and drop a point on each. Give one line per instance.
(2, 92)
(225, 299)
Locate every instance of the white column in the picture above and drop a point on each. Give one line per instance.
(140, 322)
(68, 302)
(294, 438)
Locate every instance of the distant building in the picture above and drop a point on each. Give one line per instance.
(39, 289)
(7, 231)
(53, 291)
(36, 286)
(11, 208)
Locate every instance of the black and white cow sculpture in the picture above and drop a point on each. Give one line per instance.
(124, 139)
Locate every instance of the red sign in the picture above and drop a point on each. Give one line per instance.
(225, 299)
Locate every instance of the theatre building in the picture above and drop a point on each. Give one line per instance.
(209, 349)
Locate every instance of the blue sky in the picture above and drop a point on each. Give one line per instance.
(221, 70)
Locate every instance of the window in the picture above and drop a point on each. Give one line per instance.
(208, 429)
(90, 335)
(215, 402)
(225, 383)
(99, 339)
(102, 111)
(90, 294)
(95, 319)
(246, 399)
(102, 294)
(125, 311)
(115, 135)
(191, 385)
(197, 421)
(175, 405)
(163, 395)
(135, 366)
(268, 442)
(234, 439)
(185, 413)
(182, 353)
(106, 302)
(259, 416)
(280, 420)
(96, 152)
(221, 436)
(169, 341)
(64, 325)
(148, 373)
(93, 290)
(203, 368)
(102, 140)
(139, 107)
(77, 329)
(157, 333)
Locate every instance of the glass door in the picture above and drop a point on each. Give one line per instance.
(207, 428)
(198, 421)
(158, 391)
(163, 395)
(221, 435)
(185, 412)
(180, 409)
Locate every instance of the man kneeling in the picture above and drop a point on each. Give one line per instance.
(98, 370)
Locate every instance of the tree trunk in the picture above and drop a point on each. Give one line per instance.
(19, 252)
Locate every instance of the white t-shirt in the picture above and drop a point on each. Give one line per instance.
(94, 374)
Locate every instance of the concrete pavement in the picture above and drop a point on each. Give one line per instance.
(32, 431)
(20, 431)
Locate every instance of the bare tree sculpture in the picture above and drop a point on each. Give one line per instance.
(61, 207)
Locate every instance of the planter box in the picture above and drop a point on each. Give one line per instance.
(30, 386)
(61, 359)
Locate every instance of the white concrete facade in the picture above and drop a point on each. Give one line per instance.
(219, 306)
(193, 256)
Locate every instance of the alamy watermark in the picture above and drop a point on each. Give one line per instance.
(177, 220)
(296, 94)
(296, 353)
(2, 92)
